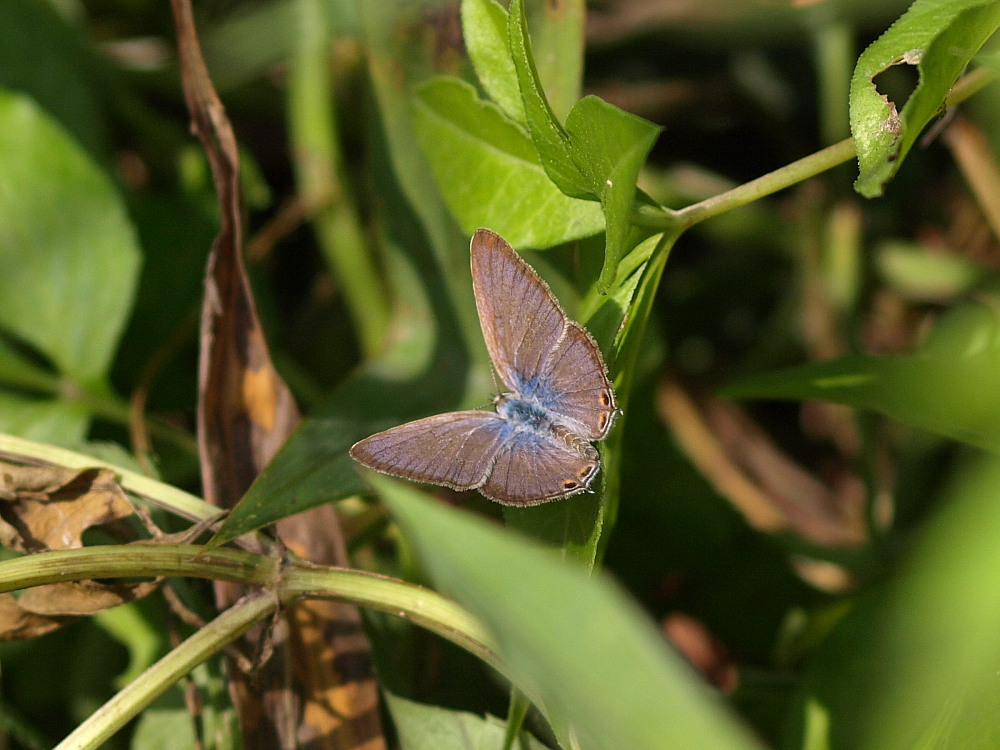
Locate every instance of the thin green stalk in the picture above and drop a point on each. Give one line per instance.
(319, 168)
(286, 582)
(152, 683)
(136, 561)
(835, 55)
(417, 604)
(788, 175)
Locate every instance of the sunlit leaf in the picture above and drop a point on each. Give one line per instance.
(939, 37)
(488, 170)
(81, 270)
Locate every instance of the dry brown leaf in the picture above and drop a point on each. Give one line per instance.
(82, 598)
(771, 491)
(50, 508)
(245, 413)
(43, 508)
(16, 623)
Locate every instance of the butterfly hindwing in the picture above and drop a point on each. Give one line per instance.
(532, 468)
(576, 385)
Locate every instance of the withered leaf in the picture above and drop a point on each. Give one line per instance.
(16, 623)
(43, 508)
(81, 598)
(245, 413)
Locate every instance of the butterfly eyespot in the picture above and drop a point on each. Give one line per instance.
(605, 399)
(569, 484)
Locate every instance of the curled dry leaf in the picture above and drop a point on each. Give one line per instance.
(43, 508)
(49, 508)
(301, 696)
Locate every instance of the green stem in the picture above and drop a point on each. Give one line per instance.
(136, 560)
(318, 167)
(287, 582)
(419, 605)
(779, 179)
(152, 683)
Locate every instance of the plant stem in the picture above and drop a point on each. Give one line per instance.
(136, 560)
(419, 605)
(317, 159)
(152, 683)
(779, 179)
(286, 582)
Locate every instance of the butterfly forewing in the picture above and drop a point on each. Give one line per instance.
(521, 319)
(455, 449)
(531, 468)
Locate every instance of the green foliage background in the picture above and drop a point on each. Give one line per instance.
(395, 140)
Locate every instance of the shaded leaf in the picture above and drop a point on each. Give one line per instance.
(423, 727)
(949, 387)
(609, 147)
(939, 37)
(43, 420)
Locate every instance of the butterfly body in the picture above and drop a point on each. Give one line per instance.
(529, 415)
(536, 447)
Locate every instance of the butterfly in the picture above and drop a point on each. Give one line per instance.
(536, 446)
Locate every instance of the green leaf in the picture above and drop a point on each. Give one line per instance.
(423, 727)
(609, 146)
(484, 28)
(558, 30)
(43, 420)
(940, 37)
(951, 386)
(922, 275)
(488, 170)
(598, 154)
(921, 641)
(69, 253)
(934, 646)
(74, 83)
(549, 136)
(575, 643)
